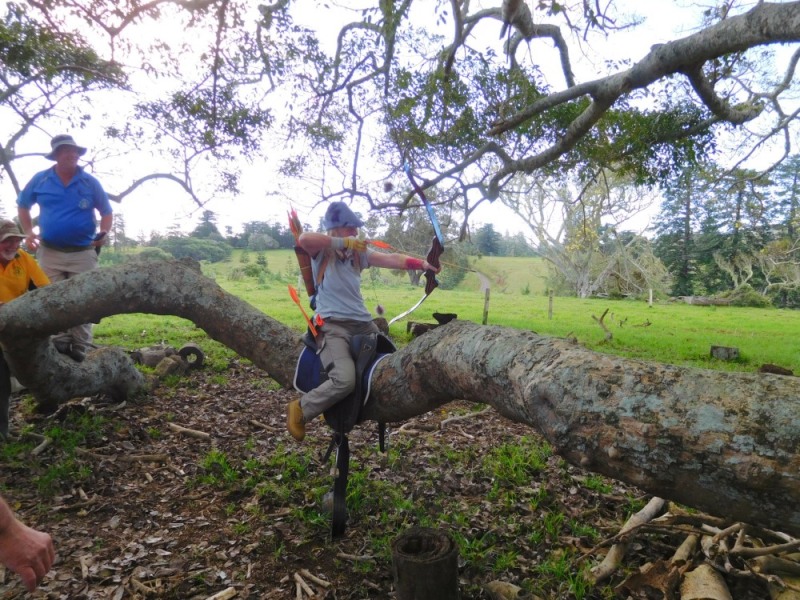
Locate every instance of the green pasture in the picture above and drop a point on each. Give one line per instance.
(667, 332)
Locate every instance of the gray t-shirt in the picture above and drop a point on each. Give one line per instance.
(339, 294)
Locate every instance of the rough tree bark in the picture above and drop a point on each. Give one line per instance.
(725, 443)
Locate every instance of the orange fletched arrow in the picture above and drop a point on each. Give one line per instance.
(294, 223)
(293, 293)
(380, 244)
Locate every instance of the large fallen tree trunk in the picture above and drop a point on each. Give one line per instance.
(726, 443)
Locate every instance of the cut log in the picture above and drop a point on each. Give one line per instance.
(444, 318)
(775, 370)
(193, 355)
(724, 353)
(705, 300)
(417, 329)
(704, 583)
(425, 565)
(171, 365)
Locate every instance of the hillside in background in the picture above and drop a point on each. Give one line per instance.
(509, 274)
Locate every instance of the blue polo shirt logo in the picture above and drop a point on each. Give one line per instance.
(84, 203)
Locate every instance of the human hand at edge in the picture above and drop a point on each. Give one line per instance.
(32, 242)
(27, 552)
(426, 266)
(101, 239)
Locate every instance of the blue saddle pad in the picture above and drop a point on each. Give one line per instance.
(309, 372)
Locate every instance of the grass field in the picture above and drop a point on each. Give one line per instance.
(671, 332)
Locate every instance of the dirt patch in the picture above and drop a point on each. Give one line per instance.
(151, 512)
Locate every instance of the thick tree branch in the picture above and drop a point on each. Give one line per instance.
(161, 288)
(185, 185)
(717, 105)
(726, 443)
(764, 24)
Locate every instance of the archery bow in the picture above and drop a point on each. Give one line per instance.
(436, 249)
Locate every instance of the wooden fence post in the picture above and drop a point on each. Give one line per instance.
(486, 308)
(550, 305)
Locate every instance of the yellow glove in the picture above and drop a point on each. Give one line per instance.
(355, 244)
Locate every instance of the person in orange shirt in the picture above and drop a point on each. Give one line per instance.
(19, 272)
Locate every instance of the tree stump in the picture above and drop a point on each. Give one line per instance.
(425, 565)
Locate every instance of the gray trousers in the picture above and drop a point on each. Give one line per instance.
(333, 346)
(59, 266)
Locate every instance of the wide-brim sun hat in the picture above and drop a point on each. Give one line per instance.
(63, 140)
(340, 215)
(9, 229)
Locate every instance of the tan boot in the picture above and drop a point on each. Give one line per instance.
(295, 422)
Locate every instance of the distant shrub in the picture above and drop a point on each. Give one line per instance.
(456, 269)
(745, 295)
(786, 297)
(110, 258)
(152, 254)
(253, 270)
(198, 249)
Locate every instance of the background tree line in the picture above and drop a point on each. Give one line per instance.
(716, 233)
(479, 123)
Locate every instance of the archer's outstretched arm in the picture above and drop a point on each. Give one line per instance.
(400, 261)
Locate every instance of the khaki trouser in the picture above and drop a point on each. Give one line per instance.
(333, 343)
(59, 266)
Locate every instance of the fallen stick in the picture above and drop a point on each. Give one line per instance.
(141, 587)
(347, 556)
(609, 335)
(41, 447)
(745, 552)
(417, 428)
(775, 565)
(463, 417)
(144, 458)
(190, 432)
(685, 551)
(463, 433)
(84, 562)
(321, 582)
(160, 458)
(301, 582)
(617, 551)
(224, 594)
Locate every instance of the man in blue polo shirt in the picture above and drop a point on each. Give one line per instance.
(68, 240)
